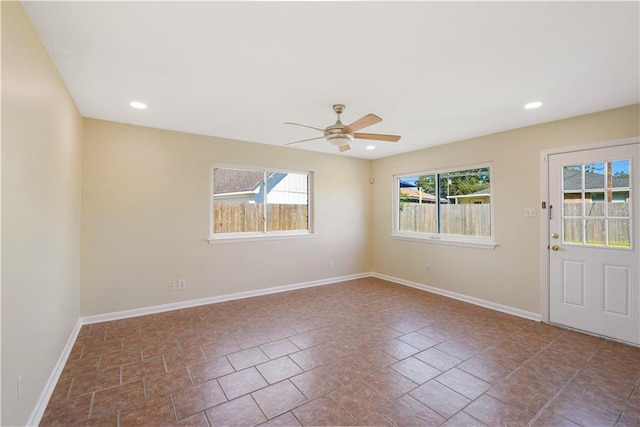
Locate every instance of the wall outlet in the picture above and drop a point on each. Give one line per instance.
(172, 285)
(19, 385)
(428, 268)
(331, 265)
(182, 284)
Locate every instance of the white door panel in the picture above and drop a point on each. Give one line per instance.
(573, 283)
(594, 261)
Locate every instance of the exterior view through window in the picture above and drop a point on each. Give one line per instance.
(257, 202)
(596, 204)
(440, 204)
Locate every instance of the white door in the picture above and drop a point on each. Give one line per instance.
(594, 282)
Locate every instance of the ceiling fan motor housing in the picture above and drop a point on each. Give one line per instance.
(338, 139)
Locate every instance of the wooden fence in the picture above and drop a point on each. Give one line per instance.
(236, 217)
(594, 224)
(467, 219)
(474, 220)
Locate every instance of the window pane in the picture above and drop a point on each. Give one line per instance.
(572, 232)
(417, 204)
(620, 172)
(594, 175)
(594, 204)
(236, 206)
(572, 178)
(619, 232)
(287, 201)
(619, 204)
(465, 202)
(594, 229)
(572, 205)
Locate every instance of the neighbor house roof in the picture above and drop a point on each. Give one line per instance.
(573, 180)
(405, 184)
(483, 192)
(235, 181)
(412, 195)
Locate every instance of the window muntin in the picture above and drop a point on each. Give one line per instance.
(259, 202)
(596, 204)
(452, 205)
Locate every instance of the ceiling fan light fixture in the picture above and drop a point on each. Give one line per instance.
(339, 139)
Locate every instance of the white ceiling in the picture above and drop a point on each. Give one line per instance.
(436, 72)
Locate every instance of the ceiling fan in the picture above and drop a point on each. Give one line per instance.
(341, 135)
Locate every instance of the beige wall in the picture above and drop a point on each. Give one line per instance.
(41, 131)
(508, 275)
(145, 219)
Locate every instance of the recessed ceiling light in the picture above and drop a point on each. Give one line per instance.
(371, 147)
(532, 105)
(138, 105)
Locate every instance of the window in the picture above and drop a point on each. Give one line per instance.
(449, 206)
(596, 204)
(259, 203)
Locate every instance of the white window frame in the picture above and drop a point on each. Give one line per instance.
(483, 242)
(260, 235)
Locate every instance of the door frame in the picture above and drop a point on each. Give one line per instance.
(545, 278)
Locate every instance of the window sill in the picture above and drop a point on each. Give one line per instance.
(449, 241)
(251, 237)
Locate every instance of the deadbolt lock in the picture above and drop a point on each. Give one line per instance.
(555, 235)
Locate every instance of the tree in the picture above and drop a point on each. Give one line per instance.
(456, 183)
(427, 183)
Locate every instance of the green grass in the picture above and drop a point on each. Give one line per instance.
(625, 244)
(617, 244)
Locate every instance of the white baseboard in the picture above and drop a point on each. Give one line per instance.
(240, 295)
(461, 297)
(38, 411)
(212, 300)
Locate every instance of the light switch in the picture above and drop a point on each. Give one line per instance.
(529, 212)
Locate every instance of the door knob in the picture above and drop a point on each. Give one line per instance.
(555, 247)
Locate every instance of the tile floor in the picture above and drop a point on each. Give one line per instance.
(363, 352)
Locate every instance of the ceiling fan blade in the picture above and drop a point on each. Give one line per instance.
(344, 148)
(363, 122)
(377, 137)
(304, 140)
(304, 126)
